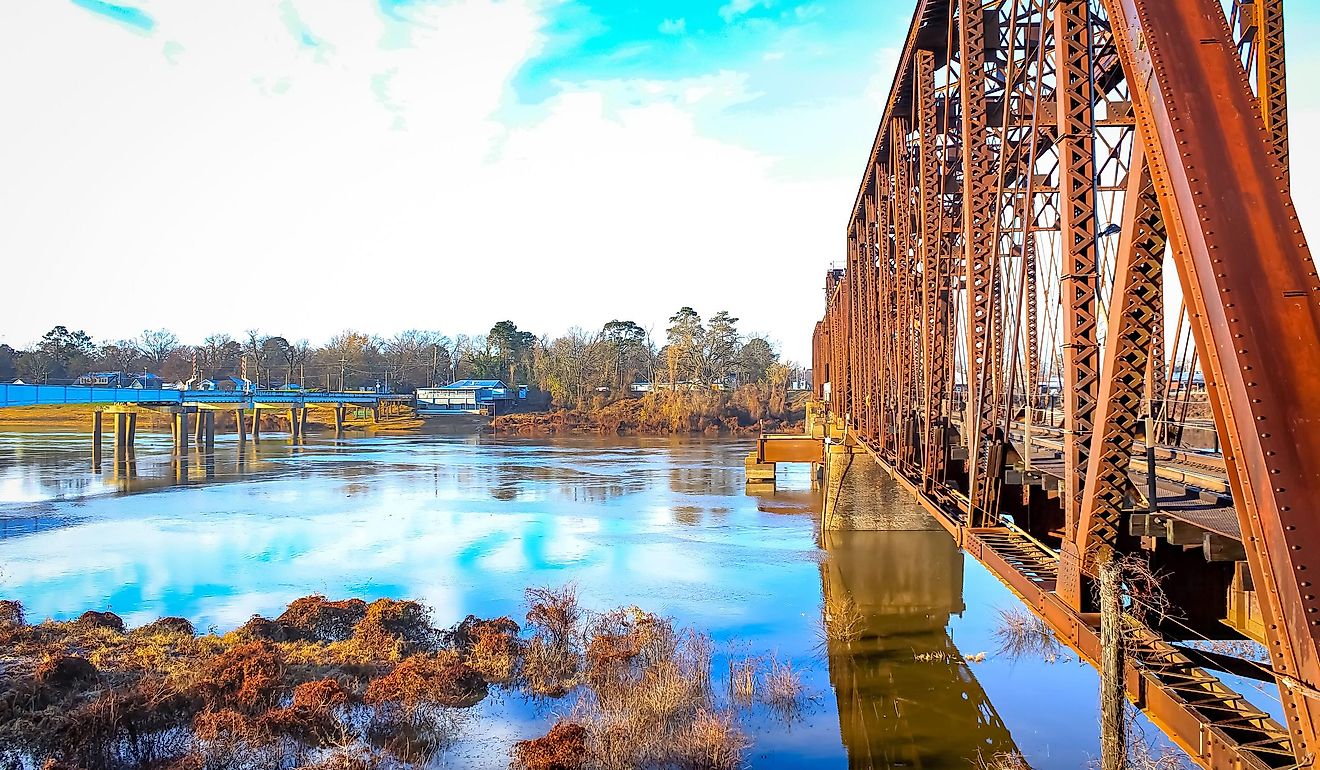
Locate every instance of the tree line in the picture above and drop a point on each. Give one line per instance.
(570, 368)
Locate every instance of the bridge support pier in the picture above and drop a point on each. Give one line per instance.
(96, 440)
(256, 424)
(199, 433)
(181, 430)
(240, 427)
(122, 437)
(297, 423)
(210, 431)
(339, 419)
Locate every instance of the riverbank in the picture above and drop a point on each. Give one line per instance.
(746, 411)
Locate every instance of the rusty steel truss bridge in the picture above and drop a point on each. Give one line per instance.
(1079, 320)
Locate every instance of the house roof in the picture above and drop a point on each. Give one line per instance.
(473, 384)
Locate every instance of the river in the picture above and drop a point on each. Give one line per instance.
(466, 523)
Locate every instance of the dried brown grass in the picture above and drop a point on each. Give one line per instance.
(1020, 633)
(843, 620)
(782, 689)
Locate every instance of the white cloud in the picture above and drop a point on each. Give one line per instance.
(673, 27)
(265, 183)
(735, 8)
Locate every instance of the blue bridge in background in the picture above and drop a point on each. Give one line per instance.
(193, 411)
(53, 395)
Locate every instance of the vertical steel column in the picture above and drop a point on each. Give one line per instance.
(1075, 96)
(1138, 278)
(934, 284)
(979, 250)
(903, 279)
(885, 314)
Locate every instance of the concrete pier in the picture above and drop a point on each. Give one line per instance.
(240, 427)
(180, 430)
(256, 424)
(96, 440)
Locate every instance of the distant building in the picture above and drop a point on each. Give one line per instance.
(101, 379)
(641, 387)
(469, 397)
(146, 381)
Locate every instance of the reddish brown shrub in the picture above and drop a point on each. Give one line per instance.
(247, 677)
(170, 626)
(63, 672)
(315, 619)
(11, 613)
(563, 748)
(608, 651)
(428, 680)
(391, 629)
(492, 647)
(467, 633)
(106, 620)
(142, 721)
(259, 628)
(311, 717)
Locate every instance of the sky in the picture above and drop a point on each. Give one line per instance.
(306, 166)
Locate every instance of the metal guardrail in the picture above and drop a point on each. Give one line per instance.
(13, 395)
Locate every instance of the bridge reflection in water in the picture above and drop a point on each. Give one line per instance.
(906, 696)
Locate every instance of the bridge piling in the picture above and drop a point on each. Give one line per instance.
(96, 440)
(238, 425)
(339, 419)
(132, 429)
(121, 431)
(256, 424)
(181, 431)
(210, 431)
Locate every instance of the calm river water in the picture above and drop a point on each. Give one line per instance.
(465, 523)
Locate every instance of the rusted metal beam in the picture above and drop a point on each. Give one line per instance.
(1253, 295)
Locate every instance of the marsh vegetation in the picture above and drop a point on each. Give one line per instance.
(351, 684)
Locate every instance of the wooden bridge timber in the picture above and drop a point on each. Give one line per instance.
(1002, 340)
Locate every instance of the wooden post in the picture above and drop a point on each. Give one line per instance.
(256, 424)
(1113, 722)
(238, 424)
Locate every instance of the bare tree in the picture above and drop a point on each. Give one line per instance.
(157, 346)
(123, 355)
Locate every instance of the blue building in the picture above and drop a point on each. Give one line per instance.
(469, 397)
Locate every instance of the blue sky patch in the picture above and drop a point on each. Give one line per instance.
(127, 15)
